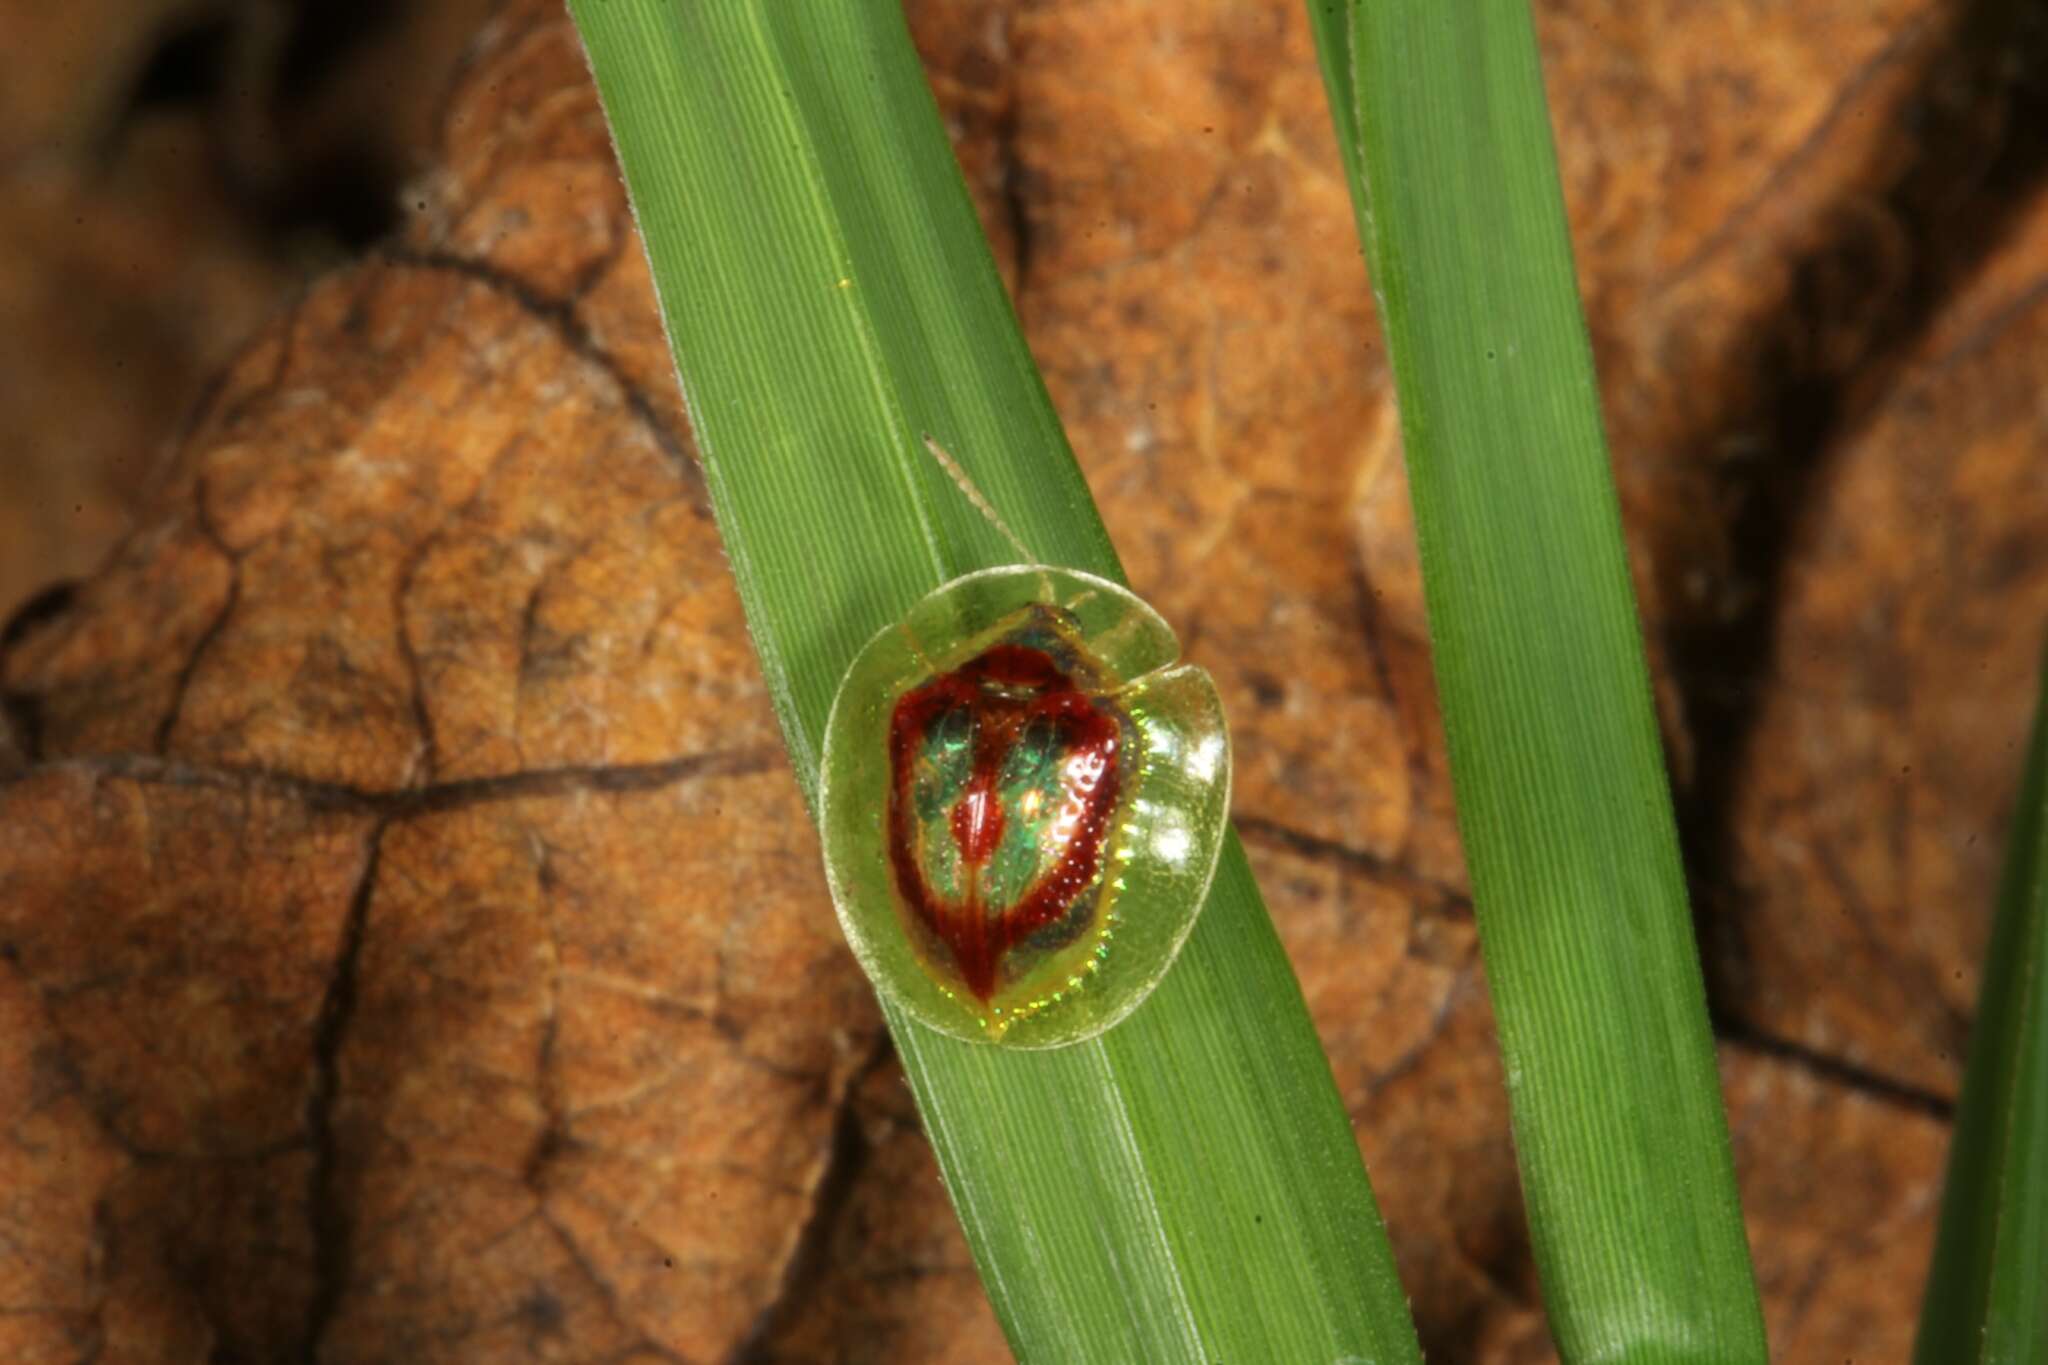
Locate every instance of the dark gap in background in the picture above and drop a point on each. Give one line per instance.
(300, 194)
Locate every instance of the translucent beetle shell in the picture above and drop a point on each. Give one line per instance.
(1023, 799)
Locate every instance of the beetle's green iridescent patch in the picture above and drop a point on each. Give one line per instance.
(1023, 800)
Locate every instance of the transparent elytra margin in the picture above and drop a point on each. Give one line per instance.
(1107, 938)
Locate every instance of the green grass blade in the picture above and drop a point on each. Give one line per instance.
(1187, 1187)
(1562, 797)
(1987, 1294)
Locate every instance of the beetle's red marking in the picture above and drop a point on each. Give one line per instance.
(1005, 688)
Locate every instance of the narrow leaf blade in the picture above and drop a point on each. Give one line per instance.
(1987, 1293)
(1186, 1187)
(1562, 799)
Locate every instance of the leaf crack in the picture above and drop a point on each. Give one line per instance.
(1871, 1084)
(559, 315)
(1431, 896)
(332, 1226)
(230, 599)
(398, 804)
(810, 1255)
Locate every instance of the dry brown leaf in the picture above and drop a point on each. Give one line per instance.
(414, 946)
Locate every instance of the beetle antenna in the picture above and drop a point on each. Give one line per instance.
(973, 495)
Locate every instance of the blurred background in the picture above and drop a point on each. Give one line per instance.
(171, 174)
